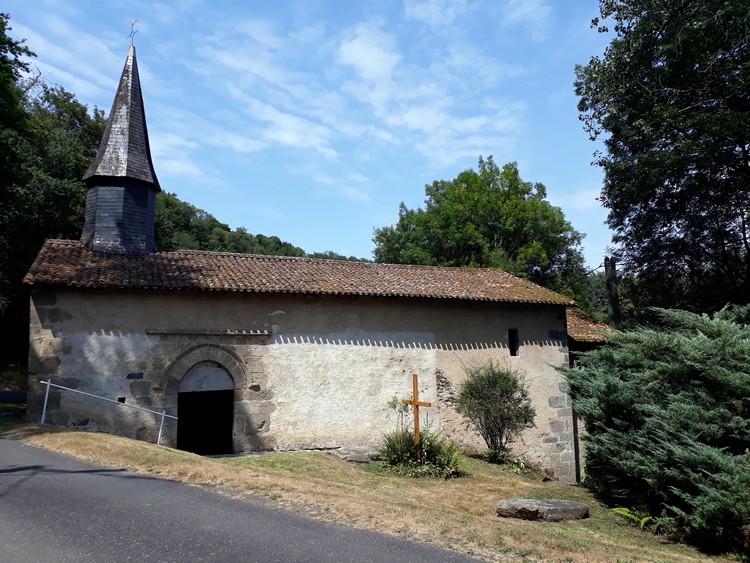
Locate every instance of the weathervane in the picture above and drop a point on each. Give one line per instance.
(133, 31)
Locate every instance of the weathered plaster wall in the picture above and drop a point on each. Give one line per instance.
(309, 372)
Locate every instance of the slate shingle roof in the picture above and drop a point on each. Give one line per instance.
(70, 264)
(124, 150)
(585, 328)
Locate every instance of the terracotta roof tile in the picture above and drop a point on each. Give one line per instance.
(585, 328)
(68, 263)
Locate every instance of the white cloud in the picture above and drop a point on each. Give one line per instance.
(476, 123)
(74, 61)
(465, 59)
(269, 66)
(357, 177)
(83, 89)
(436, 13)
(534, 15)
(372, 53)
(341, 184)
(285, 128)
(423, 117)
(171, 154)
(355, 194)
(179, 167)
(164, 143)
(188, 131)
(321, 178)
(446, 150)
(466, 137)
(262, 32)
(229, 138)
(381, 134)
(245, 63)
(161, 12)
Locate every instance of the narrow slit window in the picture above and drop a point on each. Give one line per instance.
(513, 341)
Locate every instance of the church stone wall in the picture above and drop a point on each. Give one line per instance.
(309, 372)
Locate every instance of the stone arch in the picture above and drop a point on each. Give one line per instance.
(206, 376)
(222, 355)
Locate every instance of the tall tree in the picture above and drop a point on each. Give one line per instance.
(671, 98)
(42, 196)
(180, 225)
(47, 139)
(13, 130)
(12, 115)
(668, 424)
(488, 218)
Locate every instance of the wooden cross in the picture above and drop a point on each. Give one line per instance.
(416, 403)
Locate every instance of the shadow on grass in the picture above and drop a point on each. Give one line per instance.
(11, 415)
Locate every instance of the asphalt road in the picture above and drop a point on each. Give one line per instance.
(56, 508)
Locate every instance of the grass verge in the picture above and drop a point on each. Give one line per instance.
(11, 414)
(458, 513)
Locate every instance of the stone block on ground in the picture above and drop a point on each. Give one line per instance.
(358, 455)
(548, 510)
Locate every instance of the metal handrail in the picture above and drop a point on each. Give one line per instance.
(49, 384)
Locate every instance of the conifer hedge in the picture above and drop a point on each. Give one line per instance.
(667, 424)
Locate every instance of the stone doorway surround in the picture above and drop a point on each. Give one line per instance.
(194, 381)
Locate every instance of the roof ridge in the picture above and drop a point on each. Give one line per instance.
(328, 260)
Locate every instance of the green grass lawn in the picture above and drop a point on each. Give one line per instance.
(458, 514)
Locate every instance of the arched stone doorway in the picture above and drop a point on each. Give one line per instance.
(205, 409)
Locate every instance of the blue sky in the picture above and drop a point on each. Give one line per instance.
(312, 120)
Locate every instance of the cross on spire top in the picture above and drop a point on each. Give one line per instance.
(133, 31)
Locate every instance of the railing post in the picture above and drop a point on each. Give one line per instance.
(46, 398)
(49, 384)
(161, 427)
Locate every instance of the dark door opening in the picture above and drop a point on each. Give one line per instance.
(204, 424)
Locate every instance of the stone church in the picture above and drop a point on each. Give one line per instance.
(265, 352)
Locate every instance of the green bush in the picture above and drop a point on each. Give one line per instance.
(439, 456)
(667, 417)
(498, 457)
(496, 401)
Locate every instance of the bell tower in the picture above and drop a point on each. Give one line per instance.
(122, 184)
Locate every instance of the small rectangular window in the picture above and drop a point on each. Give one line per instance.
(513, 341)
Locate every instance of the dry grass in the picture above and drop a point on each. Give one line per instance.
(458, 514)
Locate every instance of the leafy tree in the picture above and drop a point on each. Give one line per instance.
(671, 98)
(488, 218)
(46, 144)
(496, 401)
(12, 114)
(330, 255)
(13, 126)
(180, 225)
(667, 416)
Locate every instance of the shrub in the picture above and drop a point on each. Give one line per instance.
(667, 415)
(498, 457)
(496, 401)
(439, 456)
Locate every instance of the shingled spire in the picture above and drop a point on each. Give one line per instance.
(121, 200)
